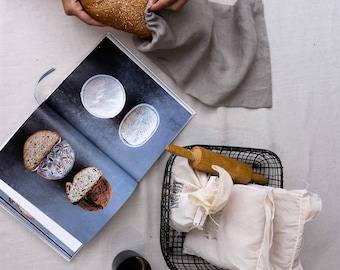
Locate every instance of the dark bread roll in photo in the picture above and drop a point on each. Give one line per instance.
(89, 189)
(124, 15)
(45, 153)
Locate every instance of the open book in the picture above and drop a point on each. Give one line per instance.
(101, 142)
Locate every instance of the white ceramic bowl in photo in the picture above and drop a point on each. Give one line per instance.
(103, 96)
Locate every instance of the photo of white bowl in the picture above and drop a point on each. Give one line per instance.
(103, 96)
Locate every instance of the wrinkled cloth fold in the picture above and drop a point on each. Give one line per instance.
(214, 52)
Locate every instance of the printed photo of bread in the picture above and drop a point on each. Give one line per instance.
(45, 153)
(124, 15)
(89, 189)
(37, 146)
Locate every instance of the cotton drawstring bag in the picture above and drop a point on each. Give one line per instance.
(243, 236)
(195, 195)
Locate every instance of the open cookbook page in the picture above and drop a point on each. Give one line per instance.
(122, 142)
(148, 118)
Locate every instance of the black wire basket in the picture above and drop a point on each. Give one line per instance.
(263, 162)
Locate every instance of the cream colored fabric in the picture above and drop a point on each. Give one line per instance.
(195, 195)
(235, 240)
(292, 210)
(243, 234)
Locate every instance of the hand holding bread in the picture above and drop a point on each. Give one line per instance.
(74, 8)
(173, 5)
(124, 15)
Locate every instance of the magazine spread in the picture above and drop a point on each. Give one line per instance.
(117, 116)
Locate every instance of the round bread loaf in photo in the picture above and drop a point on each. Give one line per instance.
(37, 146)
(124, 15)
(89, 189)
(45, 153)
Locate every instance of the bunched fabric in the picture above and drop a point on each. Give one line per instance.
(196, 195)
(216, 53)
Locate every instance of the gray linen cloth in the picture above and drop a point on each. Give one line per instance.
(214, 52)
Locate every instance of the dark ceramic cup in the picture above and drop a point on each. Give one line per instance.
(130, 260)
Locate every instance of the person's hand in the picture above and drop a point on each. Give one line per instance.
(74, 7)
(173, 5)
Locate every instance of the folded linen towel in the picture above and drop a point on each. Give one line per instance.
(216, 53)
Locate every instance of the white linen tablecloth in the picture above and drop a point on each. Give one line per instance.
(302, 127)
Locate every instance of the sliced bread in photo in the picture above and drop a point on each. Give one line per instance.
(37, 146)
(89, 189)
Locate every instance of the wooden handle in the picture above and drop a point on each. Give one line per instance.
(202, 159)
(259, 179)
(180, 151)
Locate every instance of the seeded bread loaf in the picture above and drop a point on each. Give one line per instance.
(58, 162)
(37, 146)
(89, 189)
(123, 15)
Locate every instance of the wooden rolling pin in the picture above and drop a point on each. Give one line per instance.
(202, 159)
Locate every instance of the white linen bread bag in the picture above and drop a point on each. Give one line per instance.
(240, 235)
(293, 209)
(195, 195)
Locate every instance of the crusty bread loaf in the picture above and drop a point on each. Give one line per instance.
(124, 15)
(98, 197)
(37, 146)
(89, 189)
(58, 162)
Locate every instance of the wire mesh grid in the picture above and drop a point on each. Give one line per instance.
(263, 162)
